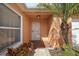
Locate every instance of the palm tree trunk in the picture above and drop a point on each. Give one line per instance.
(66, 37)
(65, 31)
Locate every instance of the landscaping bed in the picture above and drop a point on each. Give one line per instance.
(23, 50)
(27, 50)
(67, 51)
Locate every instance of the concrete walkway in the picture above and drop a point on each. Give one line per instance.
(42, 52)
(46, 52)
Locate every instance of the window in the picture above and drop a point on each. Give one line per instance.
(10, 26)
(75, 32)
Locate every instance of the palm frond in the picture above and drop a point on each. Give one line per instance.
(65, 9)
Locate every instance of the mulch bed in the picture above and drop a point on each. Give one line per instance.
(23, 50)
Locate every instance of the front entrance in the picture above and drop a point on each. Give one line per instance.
(36, 34)
(35, 31)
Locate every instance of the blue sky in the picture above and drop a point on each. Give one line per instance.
(31, 5)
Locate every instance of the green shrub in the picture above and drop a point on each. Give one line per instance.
(68, 51)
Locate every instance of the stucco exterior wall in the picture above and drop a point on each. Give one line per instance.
(43, 27)
(26, 33)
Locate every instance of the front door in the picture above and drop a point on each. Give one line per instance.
(36, 34)
(35, 31)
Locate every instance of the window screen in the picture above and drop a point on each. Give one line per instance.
(9, 27)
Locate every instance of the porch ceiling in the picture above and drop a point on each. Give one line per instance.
(32, 13)
(43, 15)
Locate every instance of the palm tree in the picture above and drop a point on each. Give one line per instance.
(62, 9)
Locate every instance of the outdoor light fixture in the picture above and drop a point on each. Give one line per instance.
(38, 16)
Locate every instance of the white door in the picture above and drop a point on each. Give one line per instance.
(75, 32)
(35, 31)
